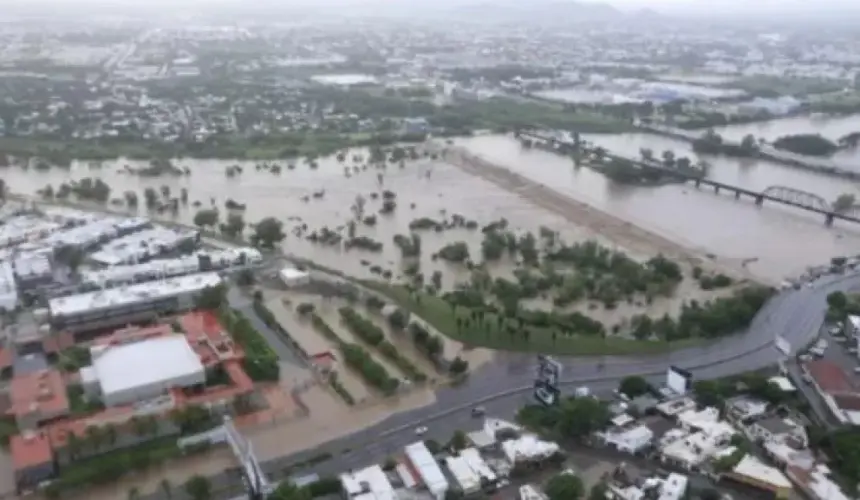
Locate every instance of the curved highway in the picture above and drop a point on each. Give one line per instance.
(505, 385)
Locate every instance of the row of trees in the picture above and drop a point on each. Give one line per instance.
(713, 143)
(261, 362)
(373, 335)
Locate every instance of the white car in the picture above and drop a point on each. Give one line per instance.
(421, 430)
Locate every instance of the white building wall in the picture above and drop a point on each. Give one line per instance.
(149, 391)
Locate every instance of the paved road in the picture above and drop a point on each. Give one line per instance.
(505, 385)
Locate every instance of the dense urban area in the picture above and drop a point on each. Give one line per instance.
(559, 252)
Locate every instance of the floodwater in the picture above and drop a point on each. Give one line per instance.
(436, 189)
(783, 240)
(831, 127)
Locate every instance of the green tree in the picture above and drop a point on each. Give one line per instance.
(837, 301)
(564, 486)
(579, 417)
(267, 233)
(212, 297)
(198, 488)
(206, 218)
(289, 491)
(234, 226)
(459, 441)
(634, 386)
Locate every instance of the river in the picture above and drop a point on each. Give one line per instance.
(831, 127)
(784, 240)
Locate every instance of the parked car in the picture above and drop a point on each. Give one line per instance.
(421, 430)
(478, 411)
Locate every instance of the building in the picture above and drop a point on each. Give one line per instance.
(836, 390)
(95, 232)
(369, 483)
(427, 469)
(531, 492)
(777, 429)
(753, 472)
(8, 287)
(37, 398)
(203, 261)
(467, 480)
(528, 448)
(476, 462)
(32, 459)
(292, 277)
(628, 436)
(143, 245)
(129, 304)
(745, 408)
(33, 269)
(690, 449)
(127, 373)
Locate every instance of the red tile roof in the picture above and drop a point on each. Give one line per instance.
(209, 339)
(829, 376)
(43, 391)
(847, 401)
(29, 450)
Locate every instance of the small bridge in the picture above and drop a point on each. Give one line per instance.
(778, 194)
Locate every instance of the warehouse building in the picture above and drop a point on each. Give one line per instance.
(127, 373)
(143, 246)
(25, 228)
(203, 261)
(96, 232)
(128, 304)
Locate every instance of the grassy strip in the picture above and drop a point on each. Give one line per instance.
(359, 360)
(373, 335)
(443, 317)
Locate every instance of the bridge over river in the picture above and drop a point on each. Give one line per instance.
(784, 195)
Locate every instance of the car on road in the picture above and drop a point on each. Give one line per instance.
(478, 411)
(421, 430)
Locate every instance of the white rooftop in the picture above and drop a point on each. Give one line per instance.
(136, 246)
(427, 467)
(132, 294)
(370, 483)
(754, 468)
(122, 367)
(528, 447)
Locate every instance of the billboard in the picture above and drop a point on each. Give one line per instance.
(547, 380)
(678, 380)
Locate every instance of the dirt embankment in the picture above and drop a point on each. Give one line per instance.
(622, 232)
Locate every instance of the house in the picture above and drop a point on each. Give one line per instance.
(32, 459)
(777, 429)
(745, 408)
(836, 390)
